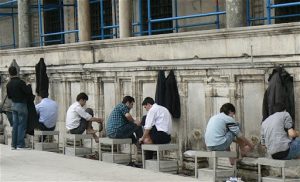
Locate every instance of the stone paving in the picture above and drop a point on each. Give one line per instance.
(31, 165)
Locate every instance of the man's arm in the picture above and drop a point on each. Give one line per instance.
(94, 119)
(145, 135)
(129, 117)
(293, 133)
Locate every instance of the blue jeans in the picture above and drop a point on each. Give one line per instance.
(20, 114)
(294, 152)
(226, 145)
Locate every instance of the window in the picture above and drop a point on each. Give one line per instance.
(287, 11)
(159, 9)
(53, 21)
(96, 19)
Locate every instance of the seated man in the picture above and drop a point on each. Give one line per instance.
(78, 120)
(222, 130)
(121, 124)
(277, 133)
(158, 124)
(47, 111)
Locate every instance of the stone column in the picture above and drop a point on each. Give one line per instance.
(23, 23)
(235, 13)
(84, 20)
(125, 18)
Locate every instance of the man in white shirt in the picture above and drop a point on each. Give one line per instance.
(158, 124)
(78, 120)
(47, 110)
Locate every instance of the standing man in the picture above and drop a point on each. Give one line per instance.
(78, 120)
(222, 130)
(47, 111)
(278, 135)
(121, 124)
(18, 92)
(158, 124)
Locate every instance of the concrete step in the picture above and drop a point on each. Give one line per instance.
(46, 146)
(169, 166)
(2, 139)
(80, 151)
(278, 179)
(119, 158)
(222, 174)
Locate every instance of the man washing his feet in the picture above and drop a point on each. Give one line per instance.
(78, 120)
(222, 130)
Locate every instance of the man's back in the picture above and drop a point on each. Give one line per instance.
(48, 111)
(160, 117)
(217, 128)
(117, 118)
(274, 131)
(17, 90)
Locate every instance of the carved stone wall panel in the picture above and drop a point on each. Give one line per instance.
(109, 98)
(253, 94)
(75, 89)
(196, 121)
(297, 103)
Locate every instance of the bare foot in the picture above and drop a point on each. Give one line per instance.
(96, 138)
(245, 150)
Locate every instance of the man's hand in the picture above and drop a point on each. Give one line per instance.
(99, 120)
(141, 140)
(137, 122)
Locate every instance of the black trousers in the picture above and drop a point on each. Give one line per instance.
(157, 137)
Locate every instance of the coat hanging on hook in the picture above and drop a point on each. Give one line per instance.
(280, 90)
(172, 99)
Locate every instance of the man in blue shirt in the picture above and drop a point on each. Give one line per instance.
(222, 130)
(47, 110)
(121, 124)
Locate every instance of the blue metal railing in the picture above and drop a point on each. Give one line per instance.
(217, 13)
(51, 7)
(104, 27)
(9, 5)
(269, 7)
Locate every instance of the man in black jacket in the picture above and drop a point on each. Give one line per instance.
(17, 91)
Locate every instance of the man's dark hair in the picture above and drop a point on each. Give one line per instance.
(82, 96)
(44, 94)
(279, 107)
(227, 108)
(12, 71)
(128, 99)
(148, 100)
(90, 111)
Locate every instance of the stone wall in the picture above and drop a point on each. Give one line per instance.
(211, 68)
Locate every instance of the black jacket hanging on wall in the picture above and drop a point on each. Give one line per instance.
(280, 90)
(160, 88)
(42, 80)
(172, 99)
(33, 121)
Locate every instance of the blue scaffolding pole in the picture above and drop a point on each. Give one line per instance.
(269, 7)
(9, 5)
(104, 27)
(51, 7)
(217, 13)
